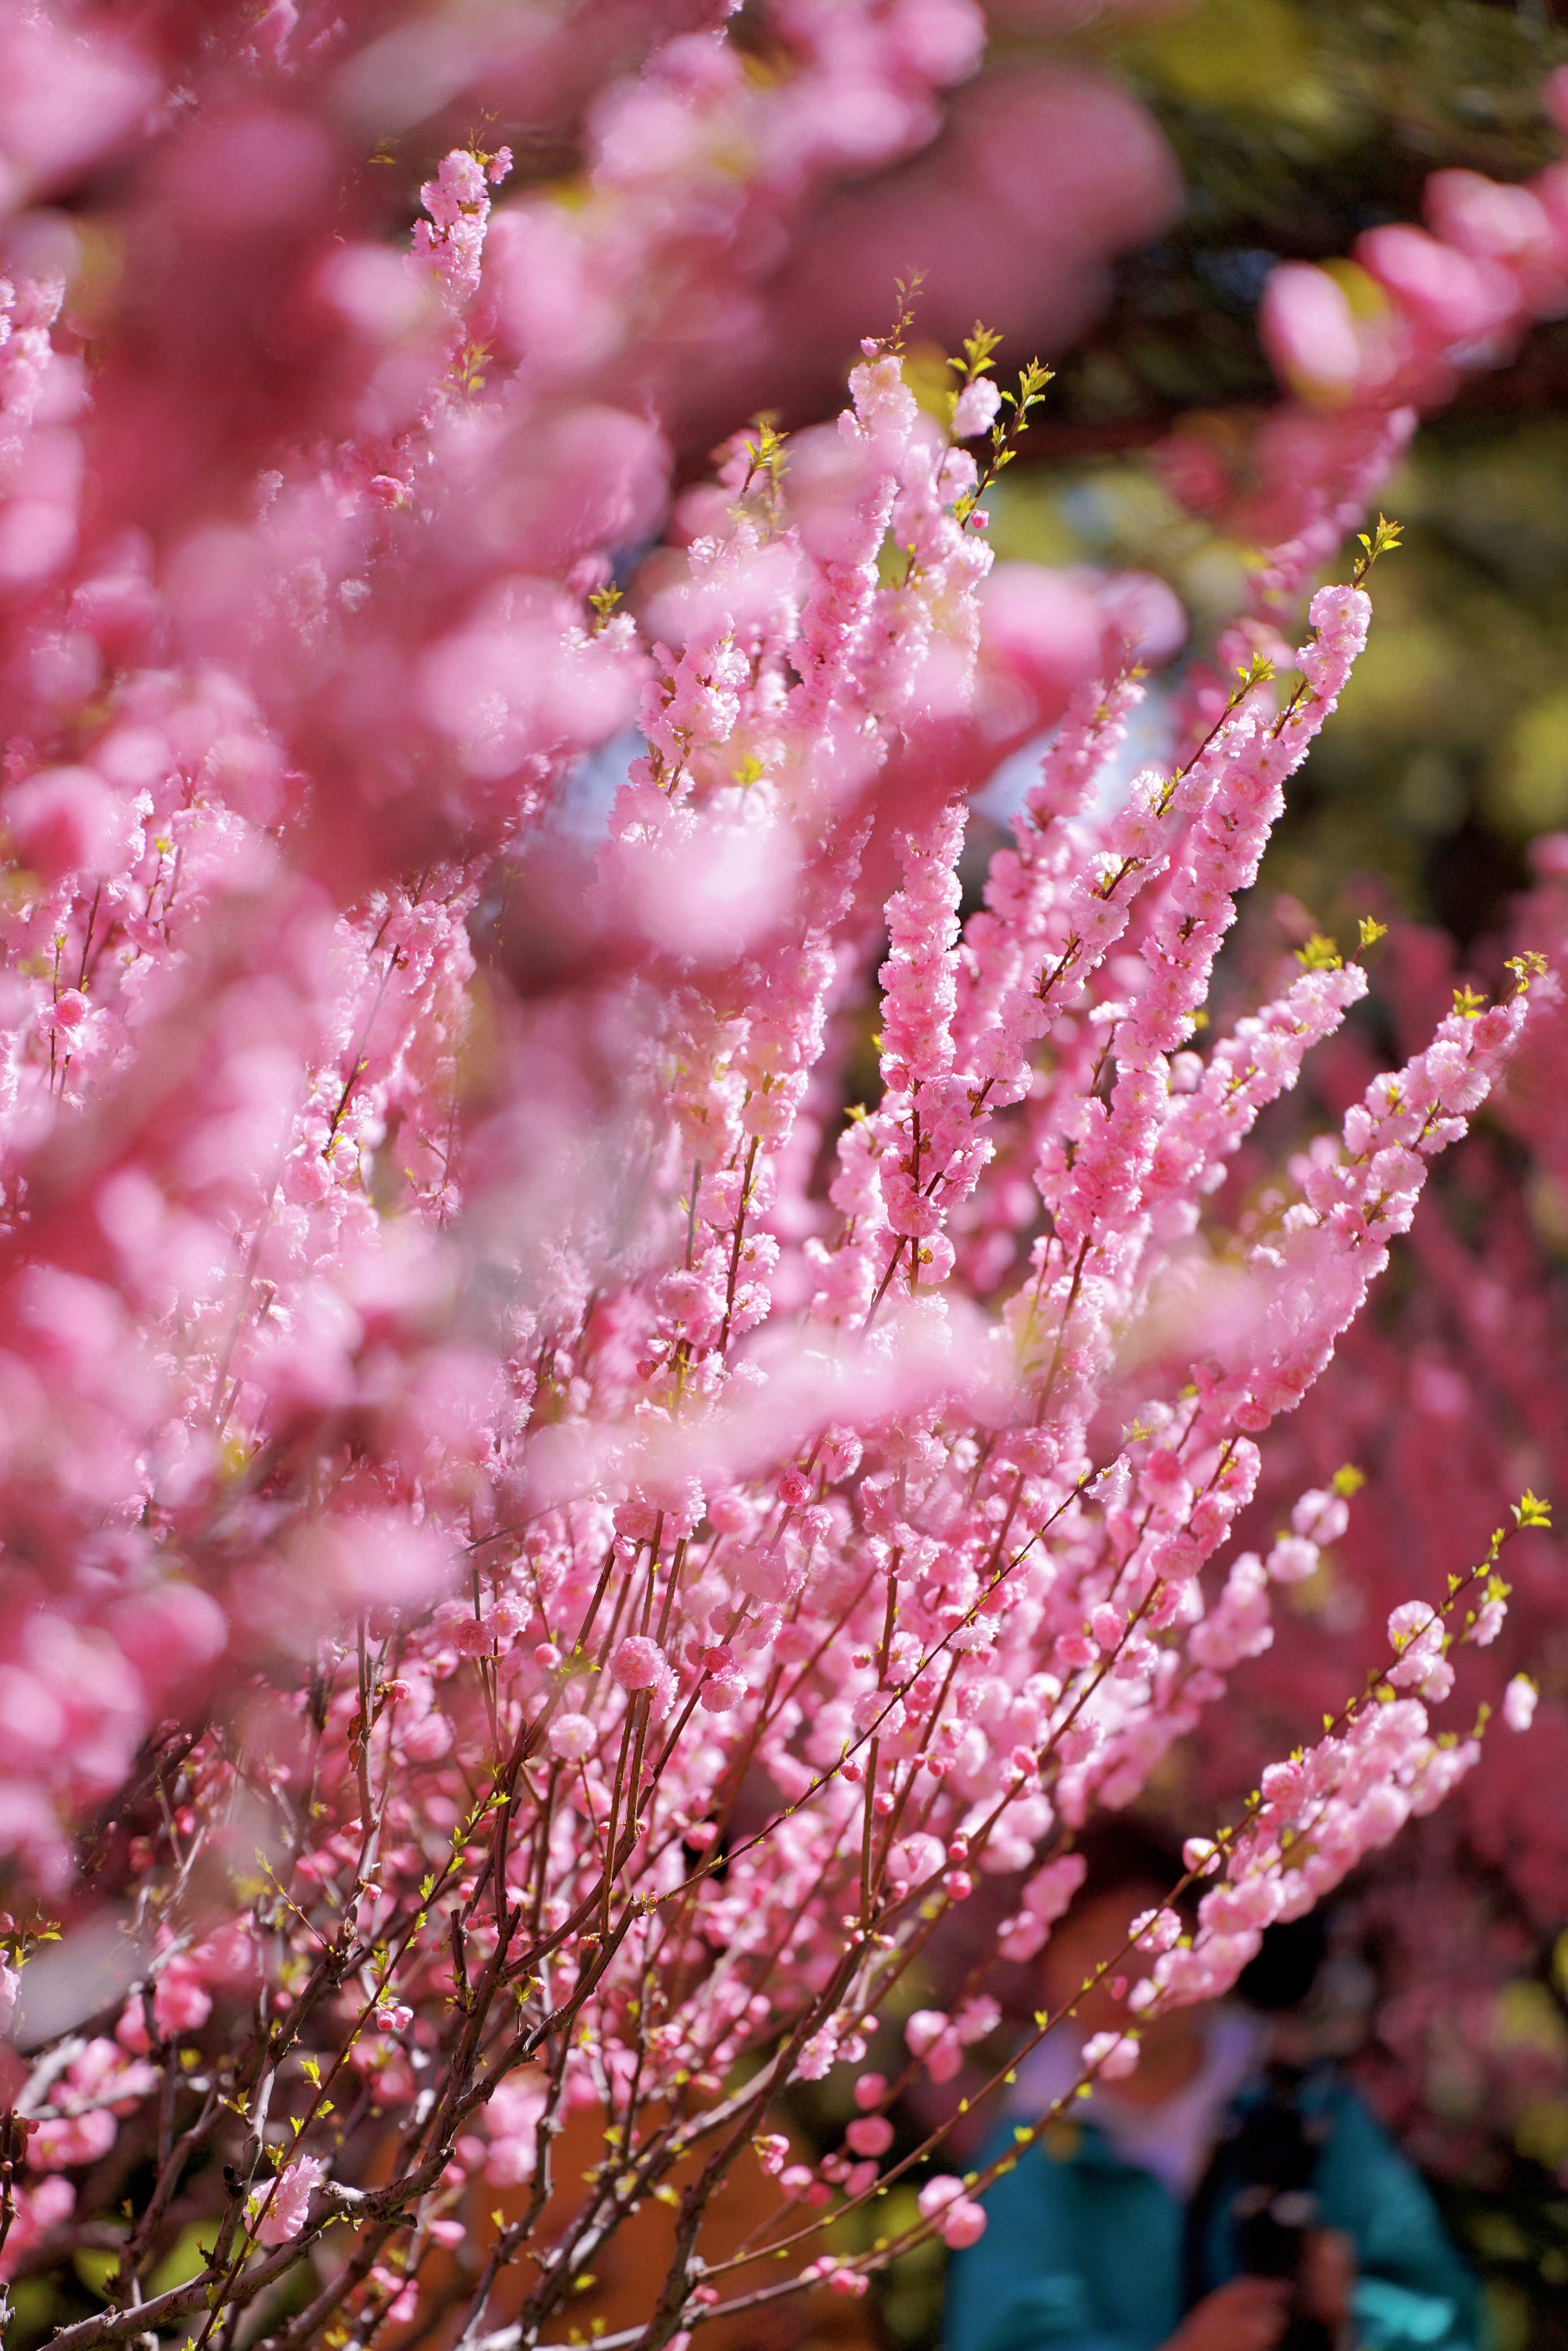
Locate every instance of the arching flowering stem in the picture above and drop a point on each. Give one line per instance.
(625, 1543)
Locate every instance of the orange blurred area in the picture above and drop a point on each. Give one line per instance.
(630, 2268)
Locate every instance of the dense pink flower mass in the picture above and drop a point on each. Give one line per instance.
(546, 1548)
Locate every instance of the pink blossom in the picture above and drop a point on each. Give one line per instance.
(978, 2017)
(71, 2139)
(929, 2035)
(67, 820)
(1292, 1559)
(1048, 1893)
(277, 2212)
(636, 1664)
(975, 408)
(1110, 2055)
(38, 2208)
(180, 2000)
(958, 2219)
(1309, 331)
(1519, 1703)
(572, 1736)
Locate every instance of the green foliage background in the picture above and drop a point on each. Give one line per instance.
(1298, 124)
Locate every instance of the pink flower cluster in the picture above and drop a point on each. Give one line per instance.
(1429, 1397)
(546, 1546)
(1444, 299)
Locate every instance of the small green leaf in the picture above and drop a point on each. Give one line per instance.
(1382, 541)
(977, 350)
(1526, 968)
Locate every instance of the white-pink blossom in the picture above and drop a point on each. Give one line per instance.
(1518, 1702)
(277, 2212)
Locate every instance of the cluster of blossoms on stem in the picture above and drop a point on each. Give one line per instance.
(1460, 1375)
(545, 1551)
(1437, 301)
